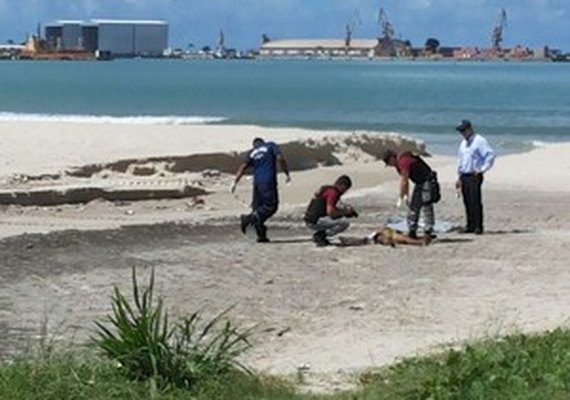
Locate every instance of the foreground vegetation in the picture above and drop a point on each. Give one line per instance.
(81, 377)
(141, 354)
(515, 367)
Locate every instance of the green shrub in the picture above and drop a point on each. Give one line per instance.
(146, 345)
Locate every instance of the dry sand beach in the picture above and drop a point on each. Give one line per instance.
(335, 311)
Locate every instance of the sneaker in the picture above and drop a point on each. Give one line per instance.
(320, 239)
(431, 235)
(412, 234)
(466, 230)
(263, 239)
(478, 231)
(245, 221)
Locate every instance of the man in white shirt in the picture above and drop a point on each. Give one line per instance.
(476, 157)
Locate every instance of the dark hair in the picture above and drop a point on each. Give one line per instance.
(258, 140)
(344, 180)
(388, 155)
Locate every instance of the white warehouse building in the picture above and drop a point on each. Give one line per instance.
(126, 38)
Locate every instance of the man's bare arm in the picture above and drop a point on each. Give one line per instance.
(239, 174)
(284, 166)
(404, 186)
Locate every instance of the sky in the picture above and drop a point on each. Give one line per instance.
(531, 23)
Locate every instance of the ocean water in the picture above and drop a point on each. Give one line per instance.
(517, 105)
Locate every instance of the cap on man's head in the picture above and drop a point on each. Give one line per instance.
(464, 125)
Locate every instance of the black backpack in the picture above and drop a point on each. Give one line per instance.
(435, 188)
(435, 194)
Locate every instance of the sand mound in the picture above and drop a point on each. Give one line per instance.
(301, 155)
(150, 178)
(55, 196)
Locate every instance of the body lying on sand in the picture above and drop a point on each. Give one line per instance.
(327, 216)
(385, 236)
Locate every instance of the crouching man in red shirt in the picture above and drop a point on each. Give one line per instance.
(325, 216)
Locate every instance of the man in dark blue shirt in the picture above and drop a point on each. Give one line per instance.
(263, 158)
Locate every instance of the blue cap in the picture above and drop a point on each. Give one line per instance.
(465, 124)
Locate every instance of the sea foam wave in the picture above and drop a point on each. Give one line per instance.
(108, 119)
(539, 143)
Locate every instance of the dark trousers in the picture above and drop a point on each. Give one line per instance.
(421, 200)
(472, 198)
(264, 205)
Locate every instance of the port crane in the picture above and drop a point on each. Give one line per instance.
(497, 34)
(222, 40)
(386, 40)
(386, 25)
(221, 51)
(350, 27)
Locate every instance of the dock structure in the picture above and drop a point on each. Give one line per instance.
(11, 51)
(386, 45)
(331, 48)
(319, 47)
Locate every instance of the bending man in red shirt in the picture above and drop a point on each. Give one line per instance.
(325, 216)
(426, 189)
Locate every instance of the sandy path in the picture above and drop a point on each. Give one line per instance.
(343, 309)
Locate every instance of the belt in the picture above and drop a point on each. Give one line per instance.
(468, 174)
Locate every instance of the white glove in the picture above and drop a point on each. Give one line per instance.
(372, 237)
(233, 187)
(288, 179)
(402, 201)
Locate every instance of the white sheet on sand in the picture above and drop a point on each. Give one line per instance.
(399, 223)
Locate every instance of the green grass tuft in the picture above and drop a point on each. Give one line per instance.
(146, 345)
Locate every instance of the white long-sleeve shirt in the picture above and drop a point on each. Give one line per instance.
(475, 155)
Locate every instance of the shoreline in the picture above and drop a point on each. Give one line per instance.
(564, 58)
(56, 141)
